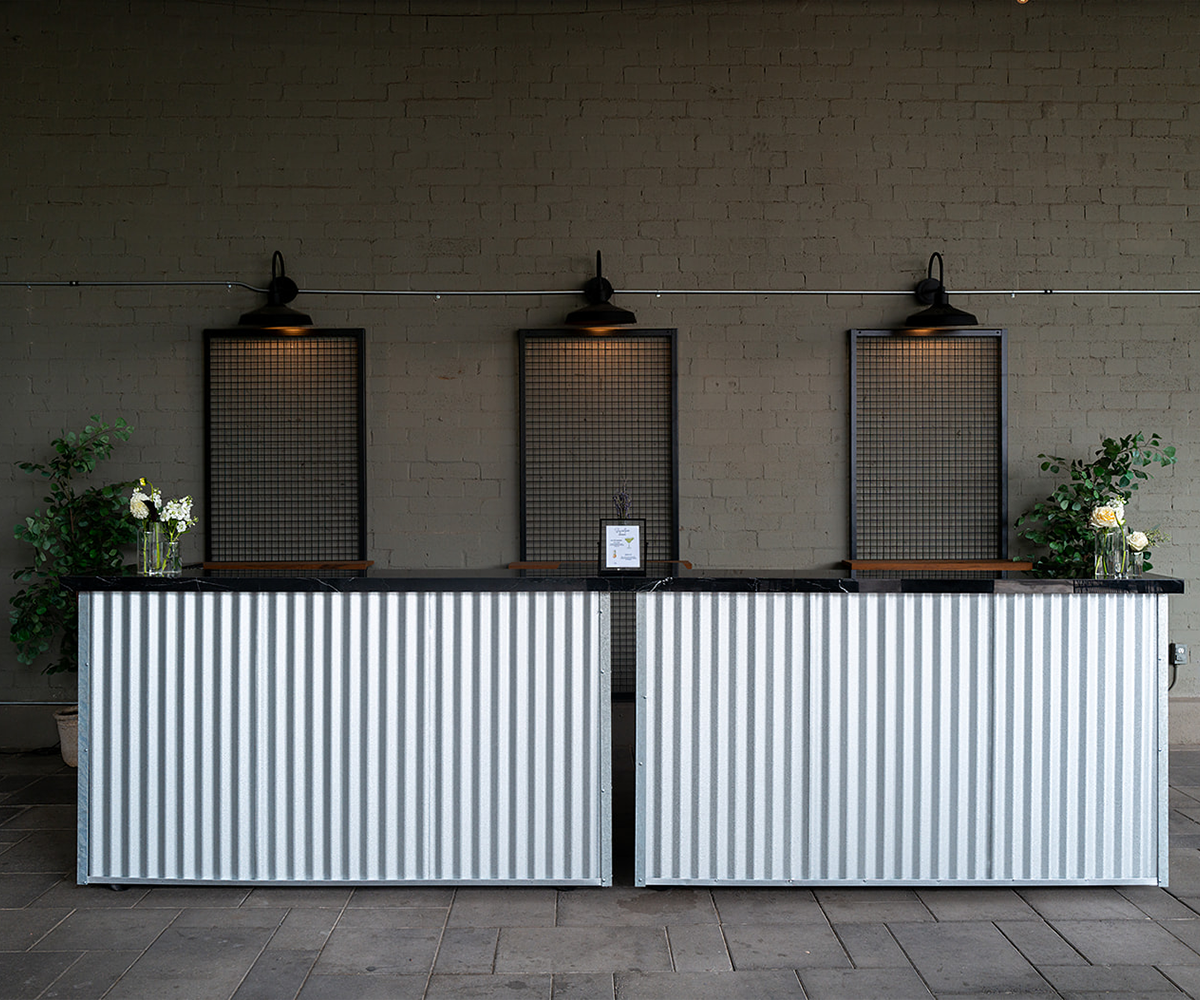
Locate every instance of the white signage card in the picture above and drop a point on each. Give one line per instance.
(622, 546)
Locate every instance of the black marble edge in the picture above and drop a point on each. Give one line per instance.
(748, 581)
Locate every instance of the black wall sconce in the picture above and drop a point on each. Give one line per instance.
(276, 314)
(941, 314)
(600, 313)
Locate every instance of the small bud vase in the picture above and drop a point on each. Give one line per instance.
(158, 552)
(1136, 556)
(1112, 555)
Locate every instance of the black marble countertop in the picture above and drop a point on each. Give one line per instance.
(735, 581)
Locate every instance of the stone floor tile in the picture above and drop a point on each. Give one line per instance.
(21, 930)
(277, 975)
(40, 851)
(45, 817)
(394, 916)
(201, 963)
(698, 948)
(50, 789)
(261, 917)
(91, 897)
(872, 906)
(92, 976)
(1156, 903)
(298, 895)
(1081, 903)
(28, 973)
(8, 813)
(176, 897)
(976, 904)
(467, 951)
(583, 986)
(10, 839)
(17, 891)
(963, 957)
(364, 987)
(198, 952)
(767, 906)
(1185, 872)
(1184, 977)
(1040, 943)
(871, 946)
(863, 984)
(615, 906)
(581, 949)
(374, 950)
(1188, 931)
(778, 984)
(504, 908)
(1097, 978)
(374, 897)
(1040, 994)
(512, 987)
(99, 930)
(1125, 942)
(1178, 798)
(1170, 994)
(784, 946)
(304, 929)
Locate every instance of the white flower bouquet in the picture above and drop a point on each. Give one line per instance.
(160, 524)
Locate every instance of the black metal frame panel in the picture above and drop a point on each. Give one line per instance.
(285, 445)
(929, 444)
(599, 411)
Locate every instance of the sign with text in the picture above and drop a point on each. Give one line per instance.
(622, 546)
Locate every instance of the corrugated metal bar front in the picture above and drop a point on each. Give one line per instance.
(850, 738)
(394, 737)
(1075, 791)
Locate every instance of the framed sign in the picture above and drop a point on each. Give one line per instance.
(622, 546)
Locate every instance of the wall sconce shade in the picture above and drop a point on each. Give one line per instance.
(941, 314)
(276, 314)
(600, 313)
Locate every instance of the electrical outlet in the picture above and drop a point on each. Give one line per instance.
(1179, 654)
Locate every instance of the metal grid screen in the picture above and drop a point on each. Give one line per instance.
(929, 439)
(285, 442)
(598, 412)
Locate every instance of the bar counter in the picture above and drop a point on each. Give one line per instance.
(402, 727)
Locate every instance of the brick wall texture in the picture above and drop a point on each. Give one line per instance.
(748, 147)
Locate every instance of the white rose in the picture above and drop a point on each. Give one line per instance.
(1137, 541)
(1104, 517)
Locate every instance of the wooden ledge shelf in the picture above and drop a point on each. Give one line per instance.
(293, 564)
(954, 565)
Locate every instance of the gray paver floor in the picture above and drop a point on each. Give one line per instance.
(622, 943)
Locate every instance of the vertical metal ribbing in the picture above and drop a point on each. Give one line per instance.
(1076, 710)
(289, 737)
(897, 738)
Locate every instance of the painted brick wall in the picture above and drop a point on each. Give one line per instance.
(479, 146)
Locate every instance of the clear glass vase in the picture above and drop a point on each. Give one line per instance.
(158, 551)
(1112, 555)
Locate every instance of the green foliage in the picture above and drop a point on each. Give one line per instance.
(1059, 524)
(81, 531)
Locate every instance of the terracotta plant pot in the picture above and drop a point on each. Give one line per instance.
(68, 734)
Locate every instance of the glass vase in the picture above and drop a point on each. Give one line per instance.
(158, 551)
(1135, 562)
(1112, 555)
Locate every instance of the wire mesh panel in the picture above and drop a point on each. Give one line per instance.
(598, 413)
(929, 445)
(285, 444)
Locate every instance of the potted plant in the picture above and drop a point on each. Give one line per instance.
(1065, 523)
(81, 531)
